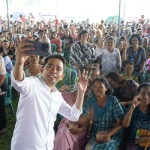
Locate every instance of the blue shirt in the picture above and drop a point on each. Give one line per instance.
(8, 64)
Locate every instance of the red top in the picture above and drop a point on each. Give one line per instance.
(57, 42)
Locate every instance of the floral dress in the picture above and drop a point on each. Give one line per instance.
(104, 120)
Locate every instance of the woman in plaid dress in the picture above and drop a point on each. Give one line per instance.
(107, 116)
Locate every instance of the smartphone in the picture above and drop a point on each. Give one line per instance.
(41, 49)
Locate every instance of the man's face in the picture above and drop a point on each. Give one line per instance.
(53, 72)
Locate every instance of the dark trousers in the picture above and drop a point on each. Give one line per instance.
(2, 113)
(133, 146)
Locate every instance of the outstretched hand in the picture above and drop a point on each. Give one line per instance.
(82, 81)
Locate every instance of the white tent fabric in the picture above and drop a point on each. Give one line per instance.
(95, 10)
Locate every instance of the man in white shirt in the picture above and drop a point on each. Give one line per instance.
(40, 101)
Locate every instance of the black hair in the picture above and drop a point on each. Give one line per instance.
(106, 84)
(5, 41)
(110, 38)
(116, 77)
(134, 35)
(82, 32)
(129, 63)
(2, 51)
(102, 21)
(56, 56)
(94, 68)
(139, 90)
(122, 38)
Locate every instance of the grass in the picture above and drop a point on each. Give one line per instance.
(5, 139)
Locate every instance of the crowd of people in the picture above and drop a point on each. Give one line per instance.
(116, 98)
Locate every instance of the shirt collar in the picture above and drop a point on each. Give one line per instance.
(46, 86)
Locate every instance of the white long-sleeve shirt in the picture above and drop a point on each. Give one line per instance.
(111, 61)
(36, 113)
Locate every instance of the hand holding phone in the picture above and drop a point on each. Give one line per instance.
(41, 49)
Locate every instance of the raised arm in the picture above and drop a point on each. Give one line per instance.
(81, 87)
(21, 57)
(127, 118)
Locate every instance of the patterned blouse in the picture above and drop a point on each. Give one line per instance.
(139, 120)
(136, 57)
(81, 57)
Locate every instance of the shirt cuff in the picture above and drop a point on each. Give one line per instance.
(13, 80)
(76, 112)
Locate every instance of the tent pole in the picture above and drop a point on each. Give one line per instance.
(8, 17)
(119, 20)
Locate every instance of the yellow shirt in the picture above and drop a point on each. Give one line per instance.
(133, 77)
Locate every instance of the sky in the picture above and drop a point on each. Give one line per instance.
(95, 10)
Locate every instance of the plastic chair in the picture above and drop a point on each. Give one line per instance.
(8, 96)
(147, 77)
(53, 48)
(13, 62)
(65, 52)
(70, 77)
(140, 76)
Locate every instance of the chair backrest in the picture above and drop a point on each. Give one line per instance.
(8, 94)
(63, 45)
(13, 62)
(70, 76)
(53, 48)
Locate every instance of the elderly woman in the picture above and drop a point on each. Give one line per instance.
(107, 114)
(34, 68)
(135, 53)
(2, 100)
(111, 59)
(7, 49)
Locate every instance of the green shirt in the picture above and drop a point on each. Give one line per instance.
(133, 77)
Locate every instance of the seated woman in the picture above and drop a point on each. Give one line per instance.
(57, 42)
(7, 49)
(129, 68)
(111, 60)
(8, 63)
(124, 90)
(135, 53)
(70, 136)
(68, 39)
(34, 68)
(107, 114)
(138, 117)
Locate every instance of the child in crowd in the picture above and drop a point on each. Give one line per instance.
(129, 68)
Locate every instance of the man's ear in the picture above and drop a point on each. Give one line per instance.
(63, 75)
